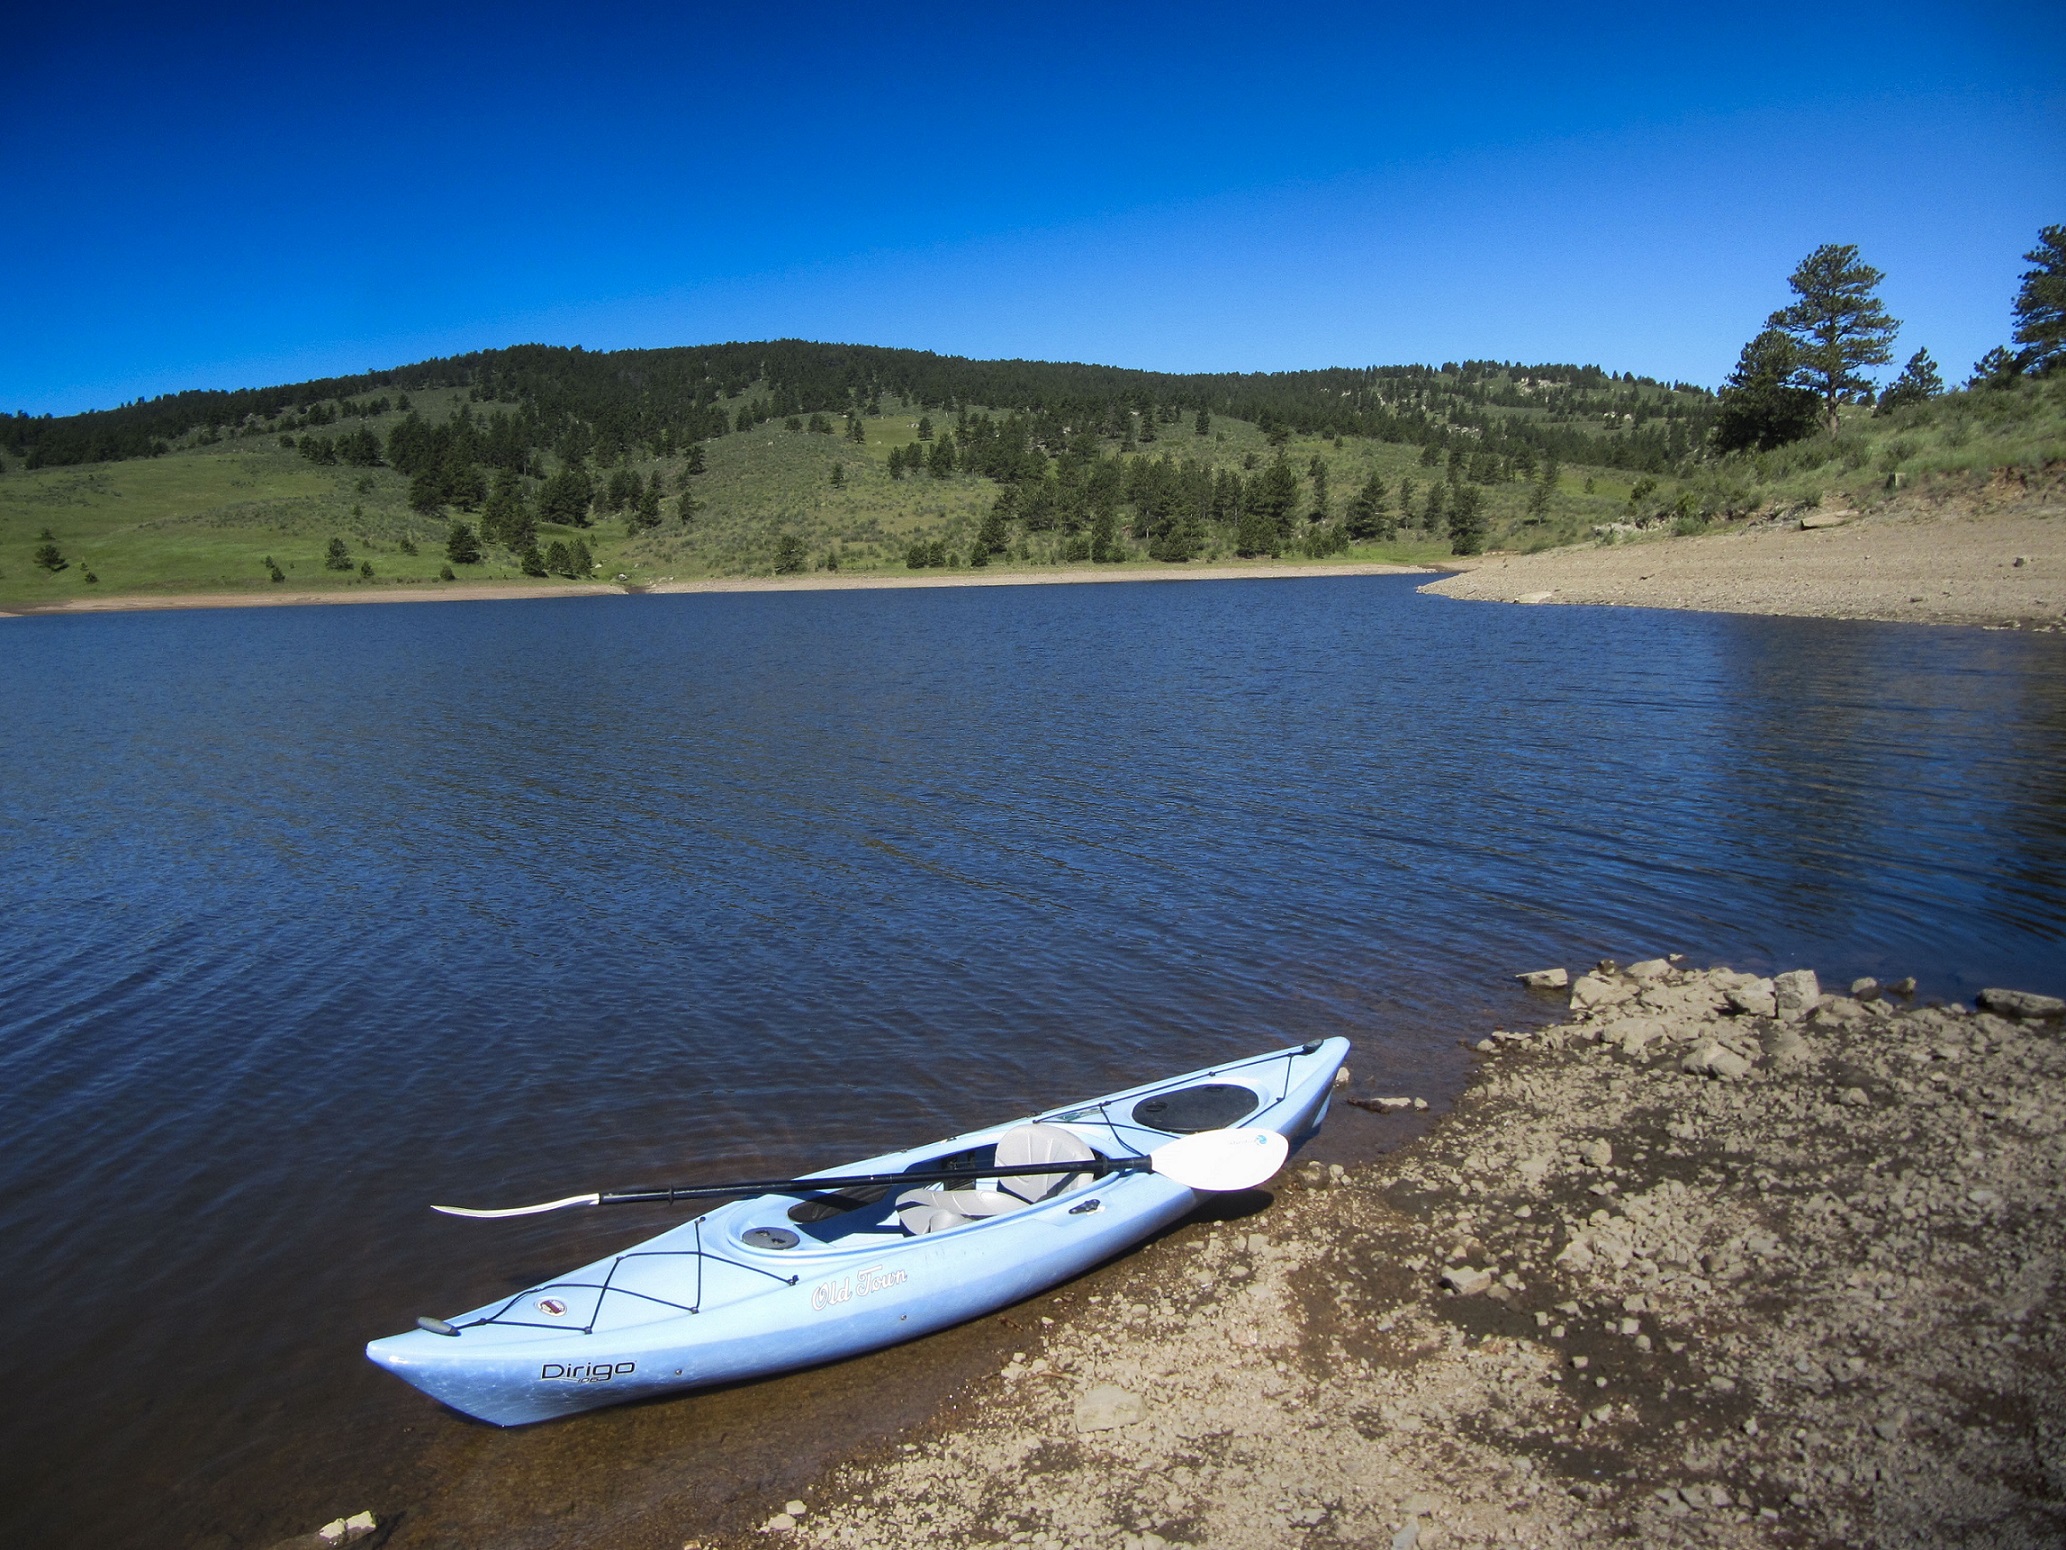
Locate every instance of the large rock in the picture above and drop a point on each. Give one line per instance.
(2021, 1003)
(1106, 1406)
(1633, 1034)
(1755, 999)
(1712, 1058)
(1545, 979)
(1649, 969)
(1466, 1281)
(1797, 991)
(1590, 991)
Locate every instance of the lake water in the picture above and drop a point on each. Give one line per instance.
(316, 915)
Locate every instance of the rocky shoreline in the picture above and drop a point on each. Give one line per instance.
(1709, 1260)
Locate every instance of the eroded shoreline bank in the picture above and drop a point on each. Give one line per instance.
(1709, 1260)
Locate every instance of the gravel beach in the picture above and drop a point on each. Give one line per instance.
(2000, 564)
(1710, 1259)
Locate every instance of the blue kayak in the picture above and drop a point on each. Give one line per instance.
(781, 1281)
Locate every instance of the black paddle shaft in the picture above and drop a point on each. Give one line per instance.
(1097, 1167)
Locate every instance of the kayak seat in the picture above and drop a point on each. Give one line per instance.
(1024, 1144)
(935, 1209)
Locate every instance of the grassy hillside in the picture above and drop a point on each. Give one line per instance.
(224, 505)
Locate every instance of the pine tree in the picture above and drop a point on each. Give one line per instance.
(1760, 407)
(645, 510)
(566, 496)
(925, 428)
(1918, 383)
(695, 462)
(1104, 538)
(461, 547)
(1274, 494)
(1466, 520)
(1837, 325)
(48, 555)
(1367, 511)
(1257, 534)
(506, 520)
(337, 557)
(838, 475)
(1202, 426)
(531, 562)
(790, 555)
(2040, 305)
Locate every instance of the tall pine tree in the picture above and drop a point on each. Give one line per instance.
(1837, 325)
(2041, 304)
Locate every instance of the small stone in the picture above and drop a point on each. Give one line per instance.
(1721, 1384)
(1649, 969)
(1856, 1098)
(1866, 989)
(1902, 987)
(2021, 1003)
(1107, 1406)
(1408, 1535)
(1466, 1281)
(1596, 1154)
(794, 1509)
(1486, 1046)
(780, 1523)
(1545, 979)
(1418, 1504)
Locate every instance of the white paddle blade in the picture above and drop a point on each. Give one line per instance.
(550, 1205)
(1221, 1161)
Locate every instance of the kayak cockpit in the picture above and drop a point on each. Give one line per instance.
(934, 1205)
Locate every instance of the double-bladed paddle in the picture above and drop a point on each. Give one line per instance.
(1216, 1161)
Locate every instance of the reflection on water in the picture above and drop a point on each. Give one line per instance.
(317, 915)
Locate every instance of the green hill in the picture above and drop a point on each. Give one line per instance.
(815, 456)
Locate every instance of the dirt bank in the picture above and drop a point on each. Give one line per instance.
(817, 581)
(2003, 567)
(1711, 1260)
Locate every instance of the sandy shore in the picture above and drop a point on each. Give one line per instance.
(1711, 1260)
(817, 581)
(1919, 566)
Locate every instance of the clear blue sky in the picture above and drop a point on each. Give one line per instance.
(193, 200)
